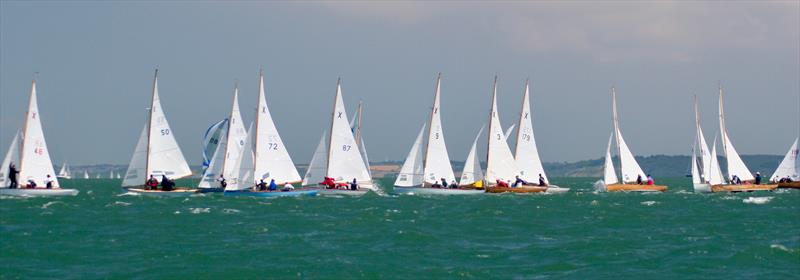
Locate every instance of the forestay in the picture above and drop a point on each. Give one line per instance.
(437, 160)
(412, 171)
(34, 161)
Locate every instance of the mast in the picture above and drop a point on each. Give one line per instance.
(258, 111)
(521, 113)
(25, 124)
(697, 143)
(430, 122)
(149, 125)
(491, 114)
(358, 126)
(333, 118)
(616, 130)
(722, 128)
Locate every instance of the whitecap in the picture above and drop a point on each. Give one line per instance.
(46, 205)
(757, 200)
(199, 210)
(120, 203)
(648, 203)
(781, 247)
(230, 211)
(729, 197)
(129, 194)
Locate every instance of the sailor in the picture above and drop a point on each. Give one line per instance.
(329, 183)
(354, 185)
(502, 184)
(436, 184)
(639, 179)
(31, 184)
(758, 178)
(287, 187)
(166, 184)
(650, 180)
(48, 182)
(272, 185)
(222, 182)
(444, 182)
(735, 180)
(151, 183)
(519, 181)
(453, 184)
(542, 182)
(262, 186)
(12, 176)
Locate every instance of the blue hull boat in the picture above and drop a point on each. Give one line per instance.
(272, 194)
(211, 190)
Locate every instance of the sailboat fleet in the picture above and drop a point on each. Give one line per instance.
(252, 160)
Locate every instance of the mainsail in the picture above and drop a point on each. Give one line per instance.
(345, 162)
(789, 166)
(272, 160)
(629, 168)
(736, 166)
(437, 160)
(526, 153)
(34, 159)
(157, 153)
(500, 163)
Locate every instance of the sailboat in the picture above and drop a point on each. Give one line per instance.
(630, 170)
(225, 159)
(437, 173)
(736, 167)
(789, 168)
(500, 163)
(64, 173)
(85, 174)
(526, 153)
(355, 126)
(157, 153)
(472, 174)
(31, 158)
(701, 157)
(344, 161)
(265, 158)
(111, 175)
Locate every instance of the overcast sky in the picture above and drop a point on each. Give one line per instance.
(96, 60)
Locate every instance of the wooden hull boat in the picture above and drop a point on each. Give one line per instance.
(38, 192)
(635, 188)
(523, 189)
(437, 191)
(789, 185)
(175, 192)
(743, 188)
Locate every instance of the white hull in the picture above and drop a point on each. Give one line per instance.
(178, 192)
(363, 189)
(702, 188)
(435, 191)
(556, 189)
(39, 192)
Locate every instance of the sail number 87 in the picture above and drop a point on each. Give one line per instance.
(346, 148)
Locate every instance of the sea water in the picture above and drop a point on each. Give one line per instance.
(103, 233)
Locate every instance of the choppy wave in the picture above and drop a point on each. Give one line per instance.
(757, 200)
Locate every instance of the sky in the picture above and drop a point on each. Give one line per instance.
(95, 63)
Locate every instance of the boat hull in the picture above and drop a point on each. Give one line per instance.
(790, 185)
(363, 189)
(556, 189)
(743, 188)
(523, 189)
(635, 188)
(702, 188)
(272, 194)
(176, 192)
(210, 190)
(437, 191)
(39, 192)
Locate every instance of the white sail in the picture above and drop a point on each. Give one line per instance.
(344, 157)
(736, 166)
(412, 171)
(526, 153)
(629, 168)
(162, 155)
(316, 167)
(437, 160)
(237, 136)
(715, 172)
(244, 166)
(609, 175)
(35, 163)
(12, 156)
(500, 163)
(64, 172)
(111, 174)
(211, 140)
(272, 160)
(85, 174)
(789, 166)
(212, 171)
(509, 130)
(701, 148)
(118, 176)
(695, 171)
(472, 166)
